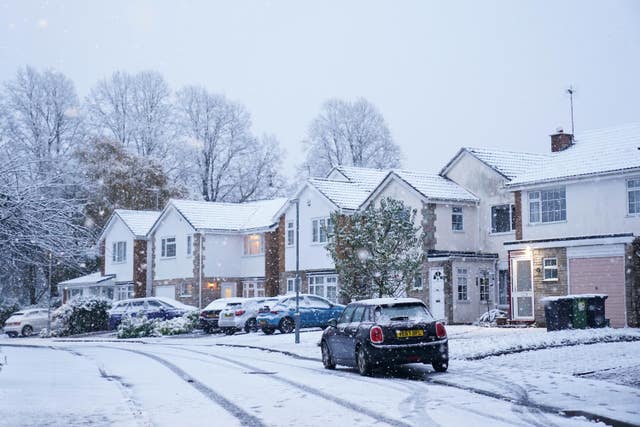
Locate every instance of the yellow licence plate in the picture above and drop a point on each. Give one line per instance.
(410, 333)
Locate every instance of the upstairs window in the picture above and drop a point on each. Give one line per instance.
(321, 229)
(547, 206)
(633, 196)
(503, 218)
(253, 244)
(291, 233)
(457, 223)
(168, 249)
(119, 253)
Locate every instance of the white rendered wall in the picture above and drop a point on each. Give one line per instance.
(172, 224)
(119, 232)
(224, 257)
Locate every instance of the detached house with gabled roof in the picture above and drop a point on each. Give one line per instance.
(577, 215)
(207, 250)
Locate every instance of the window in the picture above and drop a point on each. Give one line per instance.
(547, 206)
(291, 284)
(124, 292)
(253, 244)
(168, 247)
(291, 234)
(347, 314)
(324, 286)
(550, 267)
(189, 245)
(321, 229)
(503, 276)
(462, 284)
(417, 281)
(457, 223)
(484, 286)
(633, 196)
(186, 289)
(119, 252)
(253, 289)
(357, 314)
(315, 302)
(503, 218)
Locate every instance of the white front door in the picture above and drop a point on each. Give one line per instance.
(522, 289)
(228, 290)
(436, 292)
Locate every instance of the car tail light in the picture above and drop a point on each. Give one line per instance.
(376, 335)
(274, 311)
(441, 332)
(239, 312)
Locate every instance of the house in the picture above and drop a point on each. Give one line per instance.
(123, 259)
(577, 215)
(201, 251)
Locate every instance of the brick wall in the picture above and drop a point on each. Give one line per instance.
(632, 283)
(518, 214)
(274, 258)
(140, 268)
(102, 257)
(542, 288)
(429, 226)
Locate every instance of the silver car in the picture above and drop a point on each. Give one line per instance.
(242, 316)
(26, 322)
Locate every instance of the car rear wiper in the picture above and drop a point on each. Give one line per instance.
(400, 318)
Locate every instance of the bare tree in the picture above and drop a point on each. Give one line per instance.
(259, 175)
(351, 134)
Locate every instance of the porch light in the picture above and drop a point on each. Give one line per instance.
(212, 285)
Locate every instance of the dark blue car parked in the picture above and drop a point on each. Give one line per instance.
(151, 308)
(315, 311)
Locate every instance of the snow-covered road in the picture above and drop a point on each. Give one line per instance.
(178, 381)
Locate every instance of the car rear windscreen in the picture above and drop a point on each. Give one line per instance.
(400, 312)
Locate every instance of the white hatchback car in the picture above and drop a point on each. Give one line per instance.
(243, 316)
(26, 322)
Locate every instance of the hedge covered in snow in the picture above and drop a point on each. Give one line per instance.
(137, 327)
(81, 315)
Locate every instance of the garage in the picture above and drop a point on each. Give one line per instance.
(600, 270)
(167, 291)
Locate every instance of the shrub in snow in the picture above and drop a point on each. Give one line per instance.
(138, 327)
(178, 325)
(81, 315)
(7, 308)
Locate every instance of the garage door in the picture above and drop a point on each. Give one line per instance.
(166, 291)
(602, 275)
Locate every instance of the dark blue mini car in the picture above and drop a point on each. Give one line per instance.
(315, 311)
(151, 308)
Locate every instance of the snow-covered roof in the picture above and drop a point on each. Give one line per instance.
(89, 279)
(366, 178)
(433, 186)
(345, 195)
(508, 163)
(229, 216)
(597, 152)
(139, 222)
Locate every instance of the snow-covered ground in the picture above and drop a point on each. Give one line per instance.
(185, 380)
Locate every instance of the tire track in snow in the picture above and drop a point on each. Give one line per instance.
(243, 416)
(308, 389)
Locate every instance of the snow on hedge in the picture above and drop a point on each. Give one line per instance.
(138, 327)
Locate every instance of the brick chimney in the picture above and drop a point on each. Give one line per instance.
(560, 141)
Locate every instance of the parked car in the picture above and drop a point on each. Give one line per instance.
(315, 311)
(383, 332)
(210, 315)
(235, 318)
(26, 322)
(152, 308)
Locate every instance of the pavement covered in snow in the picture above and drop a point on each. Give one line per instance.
(186, 380)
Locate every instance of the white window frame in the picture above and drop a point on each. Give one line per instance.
(457, 212)
(536, 198)
(248, 239)
(291, 285)
(462, 279)
(320, 230)
(119, 254)
(636, 189)
(291, 233)
(324, 283)
(164, 247)
(253, 288)
(418, 282)
(186, 289)
(484, 287)
(549, 268)
(189, 245)
(511, 218)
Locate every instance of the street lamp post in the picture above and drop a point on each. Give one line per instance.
(297, 314)
(50, 290)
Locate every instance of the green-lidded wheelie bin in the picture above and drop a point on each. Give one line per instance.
(579, 312)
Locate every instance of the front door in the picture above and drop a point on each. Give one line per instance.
(522, 289)
(436, 292)
(228, 290)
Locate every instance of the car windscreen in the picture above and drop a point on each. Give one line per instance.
(402, 312)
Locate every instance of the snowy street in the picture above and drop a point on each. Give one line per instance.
(185, 381)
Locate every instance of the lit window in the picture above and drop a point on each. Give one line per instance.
(322, 228)
(550, 267)
(168, 249)
(189, 245)
(291, 233)
(119, 252)
(547, 206)
(457, 219)
(633, 196)
(503, 218)
(462, 282)
(253, 244)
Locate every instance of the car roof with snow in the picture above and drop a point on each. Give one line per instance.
(222, 303)
(388, 301)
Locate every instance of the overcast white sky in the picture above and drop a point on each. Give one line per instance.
(444, 74)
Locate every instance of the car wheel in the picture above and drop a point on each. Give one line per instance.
(286, 325)
(327, 361)
(251, 326)
(364, 366)
(229, 331)
(27, 331)
(440, 366)
(268, 331)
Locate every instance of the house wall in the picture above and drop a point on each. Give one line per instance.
(542, 288)
(470, 310)
(172, 224)
(119, 232)
(446, 238)
(312, 255)
(594, 207)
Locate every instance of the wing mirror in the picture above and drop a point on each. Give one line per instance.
(333, 323)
